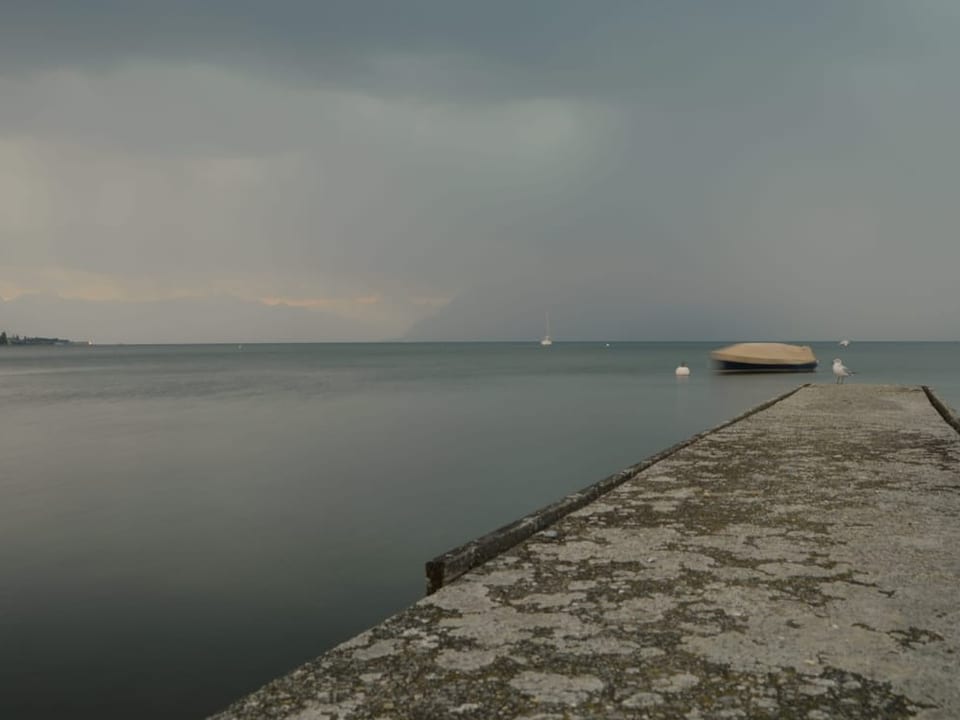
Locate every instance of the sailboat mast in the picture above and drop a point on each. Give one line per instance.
(546, 338)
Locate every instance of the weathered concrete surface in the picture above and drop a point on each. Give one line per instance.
(446, 568)
(801, 563)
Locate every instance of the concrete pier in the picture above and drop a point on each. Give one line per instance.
(801, 562)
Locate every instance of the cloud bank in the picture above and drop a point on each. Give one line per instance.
(433, 170)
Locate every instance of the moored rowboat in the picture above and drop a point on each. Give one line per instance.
(764, 357)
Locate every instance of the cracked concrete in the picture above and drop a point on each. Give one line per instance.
(802, 562)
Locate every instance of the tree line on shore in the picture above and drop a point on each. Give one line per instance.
(18, 340)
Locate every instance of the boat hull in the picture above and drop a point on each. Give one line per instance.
(764, 358)
(729, 366)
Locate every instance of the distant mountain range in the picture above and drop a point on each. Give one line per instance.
(187, 320)
(605, 309)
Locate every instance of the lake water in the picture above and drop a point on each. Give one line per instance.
(180, 524)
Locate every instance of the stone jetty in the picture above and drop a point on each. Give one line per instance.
(800, 562)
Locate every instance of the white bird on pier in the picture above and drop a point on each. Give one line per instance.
(840, 370)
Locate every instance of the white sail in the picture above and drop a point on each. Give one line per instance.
(545, 341)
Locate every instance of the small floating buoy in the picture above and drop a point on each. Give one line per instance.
(682, 370)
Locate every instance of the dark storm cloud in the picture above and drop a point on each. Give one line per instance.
(497, 48)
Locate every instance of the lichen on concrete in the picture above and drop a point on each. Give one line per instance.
(803, 562)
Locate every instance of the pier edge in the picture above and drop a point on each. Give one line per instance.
(447, 567)
(941, 407)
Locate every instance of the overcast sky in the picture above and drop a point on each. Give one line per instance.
(305, 170)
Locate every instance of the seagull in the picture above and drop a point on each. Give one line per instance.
(682, 370)
(840, 370)
(843, 343)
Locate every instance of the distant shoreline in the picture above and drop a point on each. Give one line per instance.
(17, 340)
(44, 341)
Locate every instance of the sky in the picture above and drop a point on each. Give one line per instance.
(441, 170)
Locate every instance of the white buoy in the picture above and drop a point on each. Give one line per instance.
(682, 370)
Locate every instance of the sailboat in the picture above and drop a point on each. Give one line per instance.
(546, 341)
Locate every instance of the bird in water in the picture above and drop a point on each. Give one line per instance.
(682, 370)
(840, 371)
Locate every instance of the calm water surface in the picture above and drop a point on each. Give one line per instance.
(180, 524)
